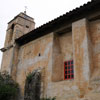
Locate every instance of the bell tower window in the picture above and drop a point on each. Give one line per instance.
(11, 33)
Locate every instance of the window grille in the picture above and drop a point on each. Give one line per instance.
(68, 70)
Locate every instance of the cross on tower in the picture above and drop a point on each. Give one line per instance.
(25, 9)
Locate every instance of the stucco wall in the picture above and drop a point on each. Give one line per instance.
(86, 59)
(81, 45)
(7, 60)
(30, 60)
(95, 38)
(62, 51)
(66, 46)
(51, 51)
(49, 47)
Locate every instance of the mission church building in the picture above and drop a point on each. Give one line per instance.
(66, 50)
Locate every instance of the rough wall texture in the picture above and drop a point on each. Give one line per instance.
(62, 51)
(37, 54)
(81, 55)
(7, 60)
(83, 51)
(49, 53)
(19, 26)
(57, 60)
(95, 38)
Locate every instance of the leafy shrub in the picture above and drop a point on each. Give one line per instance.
(29, 77)
(8, 87)
(33, 85)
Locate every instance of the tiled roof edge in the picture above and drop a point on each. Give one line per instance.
(43, 27)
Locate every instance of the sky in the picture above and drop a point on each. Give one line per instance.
(41, 10)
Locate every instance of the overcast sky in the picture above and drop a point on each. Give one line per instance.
(41, 10)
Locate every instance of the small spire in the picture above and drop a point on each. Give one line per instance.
(25, 9)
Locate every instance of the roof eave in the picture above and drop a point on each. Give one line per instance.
(69, 17)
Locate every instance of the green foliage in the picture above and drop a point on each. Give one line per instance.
(54, 98)
(29, 77)
(8, 88)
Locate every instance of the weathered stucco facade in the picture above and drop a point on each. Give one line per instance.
(74, 36)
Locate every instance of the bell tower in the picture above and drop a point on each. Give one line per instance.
(17, 27)
(20, 25)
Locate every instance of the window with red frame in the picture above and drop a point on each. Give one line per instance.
(68, 70)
